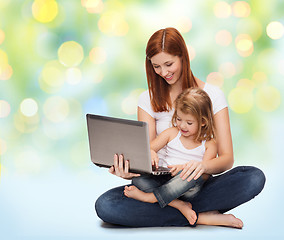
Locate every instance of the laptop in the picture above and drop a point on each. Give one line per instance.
(109, 136)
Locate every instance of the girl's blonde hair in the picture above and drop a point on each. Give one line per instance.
(196, 102)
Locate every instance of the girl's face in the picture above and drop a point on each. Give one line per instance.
(187, 124)
(167, 66)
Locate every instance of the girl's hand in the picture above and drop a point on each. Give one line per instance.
(175, 169)
(119, 170)
(192, 170)
(155, 159)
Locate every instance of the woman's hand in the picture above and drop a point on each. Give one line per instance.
(192, 170)
(119, 170)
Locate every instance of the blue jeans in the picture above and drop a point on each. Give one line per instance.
(223, 193)
(167, 188)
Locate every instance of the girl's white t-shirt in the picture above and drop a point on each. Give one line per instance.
(163, 119)
(178, 154)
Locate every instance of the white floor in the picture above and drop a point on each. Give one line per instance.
(61, 206)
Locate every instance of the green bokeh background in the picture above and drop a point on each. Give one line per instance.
(52, 146)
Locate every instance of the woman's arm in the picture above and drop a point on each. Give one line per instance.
(145, 117)
(225, 159)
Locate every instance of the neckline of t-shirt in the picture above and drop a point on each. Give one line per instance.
(178, 137)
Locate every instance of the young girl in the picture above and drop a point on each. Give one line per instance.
(191, 138)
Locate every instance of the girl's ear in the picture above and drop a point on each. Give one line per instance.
(174, 121)
(204, 122)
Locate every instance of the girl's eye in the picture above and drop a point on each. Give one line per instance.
(169, 64)
(189, 123)
(156, 66)
(178, 119)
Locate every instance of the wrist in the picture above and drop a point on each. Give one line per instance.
(206, 167)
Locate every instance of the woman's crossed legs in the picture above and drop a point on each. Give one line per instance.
(218, 195)
(166, 190)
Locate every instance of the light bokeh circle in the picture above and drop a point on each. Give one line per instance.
(70, 54)
(268, 98)
(241, 100)
(29, 107)
(56, 109)
(45, 11)
(5, 109)
(275, 30)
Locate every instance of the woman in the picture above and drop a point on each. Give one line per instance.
(168, 73)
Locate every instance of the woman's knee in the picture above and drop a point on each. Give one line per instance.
(251, 177)
(102, 207)
(257, 180)
(106, 204)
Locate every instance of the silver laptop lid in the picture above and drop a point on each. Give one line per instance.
(109, 136)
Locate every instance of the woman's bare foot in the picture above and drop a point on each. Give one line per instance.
(135, 193)
(218, 219)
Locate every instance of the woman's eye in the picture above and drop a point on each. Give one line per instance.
(170, 64)
(189, 123)
(156, 66)
(178, 119)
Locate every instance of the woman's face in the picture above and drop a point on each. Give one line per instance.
(167, 66)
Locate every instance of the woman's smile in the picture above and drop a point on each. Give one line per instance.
(169, 77)
(167, 66)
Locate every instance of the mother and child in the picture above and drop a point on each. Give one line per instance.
(189, 130)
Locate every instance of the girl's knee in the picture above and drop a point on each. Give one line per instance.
(144, 183)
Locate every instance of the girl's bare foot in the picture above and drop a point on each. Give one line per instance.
(186, 209)
(217, 219)
(135, 193)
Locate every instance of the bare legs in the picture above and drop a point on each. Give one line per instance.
(208, 218)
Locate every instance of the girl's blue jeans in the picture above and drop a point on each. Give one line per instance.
(167, 188)
(222, 193)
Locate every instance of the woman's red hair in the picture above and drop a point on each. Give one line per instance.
(168, 40)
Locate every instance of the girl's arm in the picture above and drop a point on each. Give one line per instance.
(210, 150)
(163, 138)
(159, 142)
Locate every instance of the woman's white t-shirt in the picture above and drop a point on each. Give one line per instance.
(163, 119)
